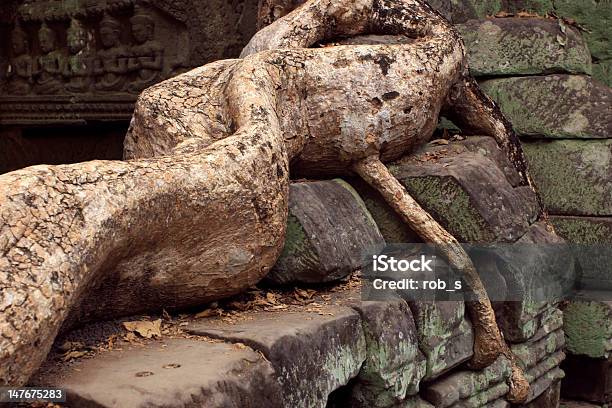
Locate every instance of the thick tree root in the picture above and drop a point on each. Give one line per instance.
(488, 341)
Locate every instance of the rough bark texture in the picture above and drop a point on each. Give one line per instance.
(198, 211)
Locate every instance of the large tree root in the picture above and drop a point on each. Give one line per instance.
(198, 211)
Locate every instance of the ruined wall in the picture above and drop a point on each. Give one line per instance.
(78, 62)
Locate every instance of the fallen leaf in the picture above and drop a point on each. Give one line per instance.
(271, 298)
(144, 328)
(173, 365)
(439, 142)
(74, 354)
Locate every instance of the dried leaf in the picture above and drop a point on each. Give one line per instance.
(144, 328)
(439, 142)
(71, 345)
(271, 298)
(74, 354)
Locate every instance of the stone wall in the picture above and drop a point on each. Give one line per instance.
(547, 64)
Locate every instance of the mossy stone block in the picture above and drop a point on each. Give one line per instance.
(524, 46)
(554, 106)
(588, 328)
(574, 177)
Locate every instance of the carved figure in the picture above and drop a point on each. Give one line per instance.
(111, 64)
(78, 68)
(199, 210)
(20, 69)
(49, 65)
(147, 56)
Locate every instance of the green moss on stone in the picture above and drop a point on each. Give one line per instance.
(573, 176)
(586, 231)
(588, 327)
(448, 203)
(602, 71)
(295, 239)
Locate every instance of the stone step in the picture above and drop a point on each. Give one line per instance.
(328, 232)
(171, 373)
(554, 106)
(524, 46)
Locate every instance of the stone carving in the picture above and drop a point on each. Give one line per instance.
(20, 69)
(79, 60)
(111, 63)
(48, 65)
(147, 56)
(78, 67)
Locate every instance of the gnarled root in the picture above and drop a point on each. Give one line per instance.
(488, 341)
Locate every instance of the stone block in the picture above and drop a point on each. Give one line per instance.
(329, 230)
(591, 239)
(394, 365)
(540, 358)
(524, 46)
(588, 328)
(470, 388)
(554, 106)
(574, 177)
(468, 195)
(548, 399)
(445, 335)
(312, 354)
(172, 373)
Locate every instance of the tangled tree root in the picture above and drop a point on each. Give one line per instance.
(198, 210)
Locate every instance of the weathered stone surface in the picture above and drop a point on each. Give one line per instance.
(574, 177)
(312, 355)
(595, 17)
(459, 11)
(548, 399)
(588, 328)
(470, 388)
(554, 106)
(583, 230)
(524, 46)
(329, 230)
(394, 365)
(588, 379)
(94, 58)
(393, 229)
(445, 335)
(172, 373)
(602, 71)
(541, 357)
(538, 271)
(469, 195)
(592, 249)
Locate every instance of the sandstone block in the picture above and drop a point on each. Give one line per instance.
(328, 231)
(554, 106)
(524, 46)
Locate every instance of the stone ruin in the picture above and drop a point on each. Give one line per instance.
(341, 352)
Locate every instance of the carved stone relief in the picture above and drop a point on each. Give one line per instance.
(91, 58)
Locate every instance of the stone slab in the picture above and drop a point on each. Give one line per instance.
(470, 388)
(574, 177)
(172, 373)
(445, 335)
(468, 194)
(394, 365)
(312, 354)
(554, 106)
(329, 230)
(524, 46)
